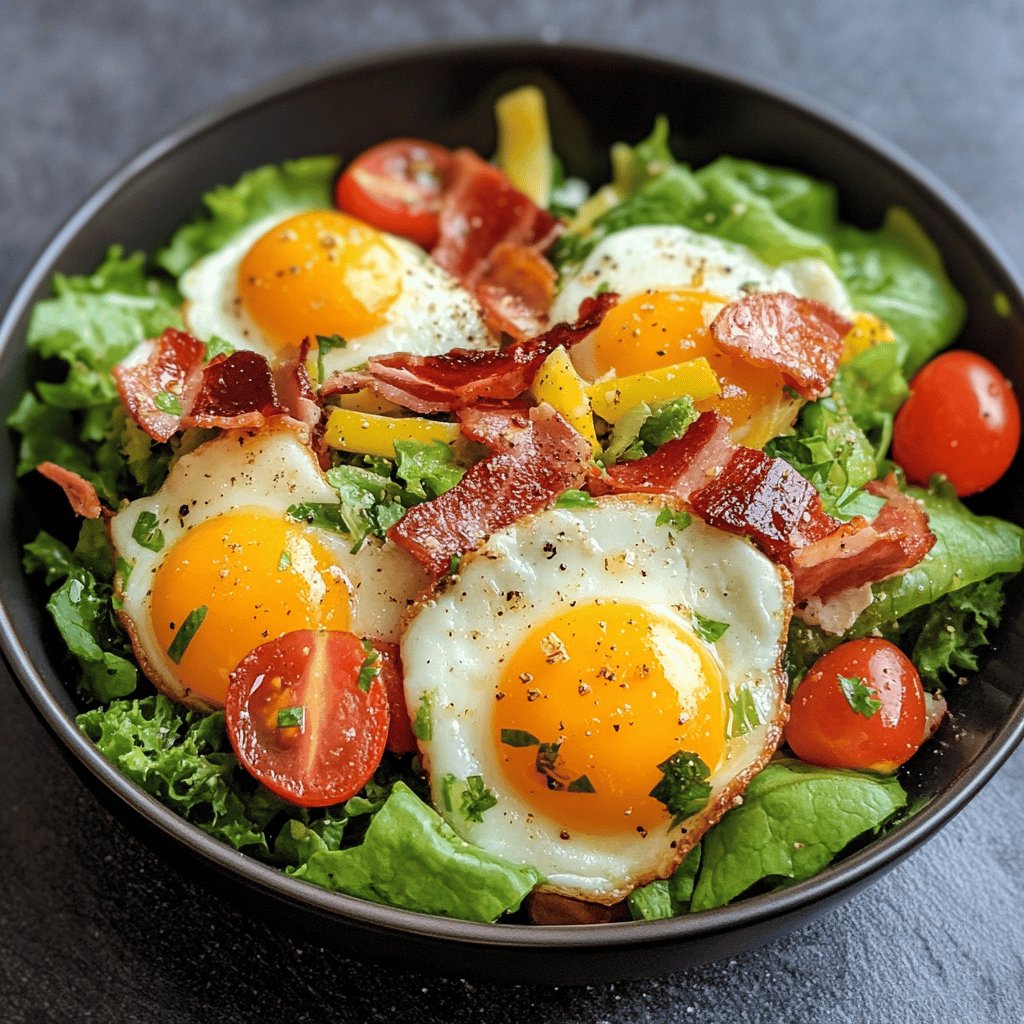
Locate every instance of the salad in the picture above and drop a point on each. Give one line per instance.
(457, 537)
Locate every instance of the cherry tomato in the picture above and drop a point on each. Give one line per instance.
(400, 735)
(961, 419)
(860, 706)
(396, 186)
(300, 720)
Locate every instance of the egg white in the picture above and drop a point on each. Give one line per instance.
(456, 643)
(267, 472)
(432, 314)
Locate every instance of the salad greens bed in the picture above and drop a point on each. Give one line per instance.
(387, 844)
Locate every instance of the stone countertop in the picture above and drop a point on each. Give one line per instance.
(94, 925)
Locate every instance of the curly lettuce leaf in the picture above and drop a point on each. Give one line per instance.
(73, 415)
(184, 759)
(794, 819)
(293, 186)
(82, 609)
(872, 386)
(411, 858)
(667, 897)
(829, 449)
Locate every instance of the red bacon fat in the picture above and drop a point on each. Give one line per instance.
(492, 239)
(535, 456)
(80, 493)
(800, 337)
(236, 391)
(463, 377)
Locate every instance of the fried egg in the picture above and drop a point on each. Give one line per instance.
(212, 565)
(576, 651)
(322, 272)
(672, 283)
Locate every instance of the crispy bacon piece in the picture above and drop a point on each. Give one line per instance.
(860, 552)
(492, 238)
(235, 391)
(80, 493)
(167, 366)
(800, 337)
(536, 456)
(463, 377)
(554, 908)
(480, 211)
(678, 467)
(516, 291)
(764, 499)
(744, 491)
(238, 391)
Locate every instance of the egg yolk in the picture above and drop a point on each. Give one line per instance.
(659, 328)
(258, 577)
(609, 691)
(321, 272)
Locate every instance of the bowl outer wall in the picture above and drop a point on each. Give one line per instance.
(446, 93)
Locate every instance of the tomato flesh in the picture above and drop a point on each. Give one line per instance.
(396, 186)
(300, 722)
(400, 735)
(824, 727)
(961, 419)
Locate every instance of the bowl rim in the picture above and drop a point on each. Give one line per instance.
(849, 873)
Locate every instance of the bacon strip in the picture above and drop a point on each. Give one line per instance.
(536, 456)
(897, 539)
(462, 377)
(166, 366)
(80, 493)
(516, 291)
(237, 391)
(800, 337)
(744, 491)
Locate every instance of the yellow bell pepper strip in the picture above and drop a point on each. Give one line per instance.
(558, 384)
(368, 434)
(611, 399)
(524, 142)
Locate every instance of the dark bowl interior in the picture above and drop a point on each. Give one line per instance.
(595, 97)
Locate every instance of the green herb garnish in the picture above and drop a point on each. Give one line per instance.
(184, 636)
(324, 344)
(371, 667)
(861, 697)
(147, 533)
(708, 629)
(575, 499)
(684, 788)
(476, 798)
(168, 403)
(581, 785)
(672, 519)
(519, 738)
(293, 717)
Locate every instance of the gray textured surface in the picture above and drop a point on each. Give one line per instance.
(92, 924)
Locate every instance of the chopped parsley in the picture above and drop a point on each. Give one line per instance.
(672, 519)
(519, 738)
(147, 533)
(575, 499)
(708, 629)
(324, 344)
(859, 695)
(370, 669)
(323, 514)
(743, 716)
(603, 287)
(476, 798)
(168, 403)
(293, 717)
(547, 764)
(581, 785)
(684, 788)
(284, 561)
(217, 346)
(189, 628)
(423, 723)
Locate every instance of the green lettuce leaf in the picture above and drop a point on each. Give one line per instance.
(667, 897)
(82, 609)
(872, 387)
(73, 416)
(184, 759)
(645, 429)
(427, 470)
(830, 449)
(897, 273)
(968, 549)
(293, 186)
(410, 858)
(794, 819)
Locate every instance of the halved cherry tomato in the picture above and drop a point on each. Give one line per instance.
(300, 721)
(860, 706)
(400, 735)
(396, 186)
(961, 419)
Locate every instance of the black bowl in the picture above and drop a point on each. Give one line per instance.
(595, 97)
